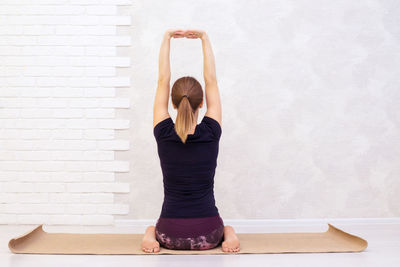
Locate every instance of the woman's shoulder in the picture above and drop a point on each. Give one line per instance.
(213, 125)
(209, 119)
(163, 122)
(158, 128)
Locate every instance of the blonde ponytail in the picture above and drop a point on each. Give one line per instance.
(184, 119)
(187, 97)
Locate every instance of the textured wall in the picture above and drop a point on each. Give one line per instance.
(59, 111)
(310, 97)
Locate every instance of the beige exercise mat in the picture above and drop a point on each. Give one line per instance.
(38, 241)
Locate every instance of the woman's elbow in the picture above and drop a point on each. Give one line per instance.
(210, 79)
(162, 80)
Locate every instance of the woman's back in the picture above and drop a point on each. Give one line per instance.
(188, 169)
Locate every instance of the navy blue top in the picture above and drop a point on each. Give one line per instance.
(188, 169)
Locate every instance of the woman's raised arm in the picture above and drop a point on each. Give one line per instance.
(160, 109)
(213, 100)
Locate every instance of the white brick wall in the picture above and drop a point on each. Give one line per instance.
(58, 83)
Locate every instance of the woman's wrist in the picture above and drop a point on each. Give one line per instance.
(167, 35)
(204, 36)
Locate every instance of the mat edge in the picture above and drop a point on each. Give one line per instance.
(14, 241)
(364, 243)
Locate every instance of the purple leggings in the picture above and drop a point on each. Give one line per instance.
(190, 233)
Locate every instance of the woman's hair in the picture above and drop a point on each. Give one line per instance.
(186, 95)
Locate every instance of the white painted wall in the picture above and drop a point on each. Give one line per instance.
(310, 95)
(59, 91)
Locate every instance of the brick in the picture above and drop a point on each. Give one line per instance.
(8, 176)
(32, 198)
(98, 134)
(9, 197)
(113, 145)
(113, 208)
(37, 29)
(64, 197)
(10, 29)
(37, 92)
(114, 61)
(64, 219)
(117, 102)
(101, 10)
(114, 124)
(18, 39)
(98, 155)
(72, 134)
(16, 187)
(35, 176)
(80, 166)
(80, 208)
(100, 71)
(11, 50)
(32, 218)
(115, 166)
(100, 113)
(98, 177)
(49, 187)
(8, 219)
(115, 81)
(115, 20)
(98, 187)
(33, 208)
(86, 30)
(97, 198)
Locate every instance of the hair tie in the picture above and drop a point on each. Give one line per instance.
(186, 96)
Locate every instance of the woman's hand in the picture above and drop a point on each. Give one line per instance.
(176, 33)
(193, 34)
(180, 33)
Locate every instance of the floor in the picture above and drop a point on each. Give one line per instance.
(383, 250)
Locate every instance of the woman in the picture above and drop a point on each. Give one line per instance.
(188, 155)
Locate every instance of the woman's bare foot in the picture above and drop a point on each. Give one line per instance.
(231, 241)
(149, 242)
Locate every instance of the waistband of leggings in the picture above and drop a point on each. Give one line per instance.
(191, 221)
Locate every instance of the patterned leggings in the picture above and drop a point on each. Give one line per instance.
(190, 233)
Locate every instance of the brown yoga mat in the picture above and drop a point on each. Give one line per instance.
(38, 241)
